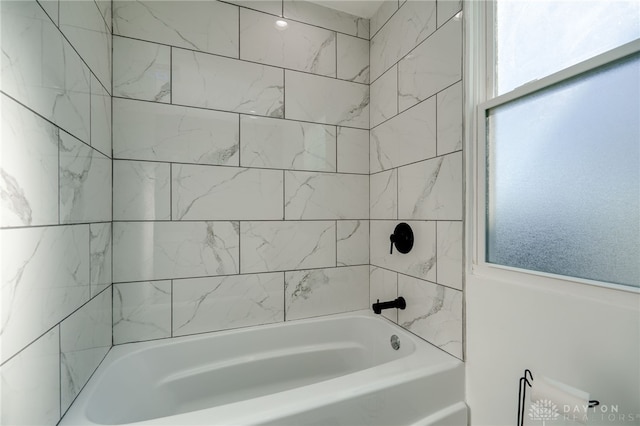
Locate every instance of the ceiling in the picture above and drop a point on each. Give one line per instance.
(362, 8)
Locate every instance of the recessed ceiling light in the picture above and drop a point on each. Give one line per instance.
(281, 24)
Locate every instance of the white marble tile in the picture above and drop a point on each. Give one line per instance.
(45, 277)
(352, 242)
(420, 262)
(286, 144)
(215, 82)
(100, 118)
(406, 138)
(281, 246)
(41, 70)
(420, 77)
(449, 247)
(446, 9)
(246, 194)
(413, 23)
(431, 189)
(100, 252)
(326, 291)
(85, 182)
(311, 195)
(353, 59)
(141, 70)
(161, 250)
(326, 100)
(433, 312)
(141, 311)
(221, 303)
(30, 391)
(85, 339)
(450, 119)
(106, 11)
(384, 97)
(273, 7)
(141, 190)
(297, 46)
(383, 196)
(314, 14)
(156, 132)
(382, 15)
(383, 286)
(28, 168)
(207, 26)
(353, 150)
(83, 25)
(51, 8)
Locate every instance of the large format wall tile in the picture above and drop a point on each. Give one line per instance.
(419, 76)
(406, 138)
(352, 242)
(383, 195)
(231, 193)
(159, 250)
(450, 251)
(209, 81)
(447, 9)
(39, 285)
(382, 15)
(141, 190)
(298, 46)
(353, 59)
(273, 7)
(314, 14)
(155, 132)
(100, 252)
(100, 118)
(384, 97)
(141, 311)
(326, 100)
(28, 168)
(353, 150)
(450, 119)
(220, 303)
(207, 26)
(286, 144)
(326, 291)
(51, 8)
(282, 246)
(41, 70)
(383, 286)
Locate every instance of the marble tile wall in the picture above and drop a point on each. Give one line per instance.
(241, 165)
(416, 165)
(56, 209)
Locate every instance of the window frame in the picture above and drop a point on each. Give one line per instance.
(480, 83)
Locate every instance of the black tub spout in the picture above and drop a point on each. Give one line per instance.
(399, 303)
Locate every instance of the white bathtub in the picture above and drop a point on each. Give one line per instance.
(335, 370)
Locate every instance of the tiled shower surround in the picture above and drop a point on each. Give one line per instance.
(257, 173)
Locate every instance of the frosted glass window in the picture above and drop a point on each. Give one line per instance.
(563, 177)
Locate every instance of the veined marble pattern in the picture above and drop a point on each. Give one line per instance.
(383, 196)
(420, 77)
(85, 339)
(286, 144)
(353, 59)
(446, 9)
(326, 100)
(384, 96)
(51, 8)
(431, 189)
(327, 18)
(219, 193)
(85, 182)
(100, 251)
(385, 11)
(353, 150)
(273, 7)
(41, 70)
(83, 25)
(141, 70)
(450, 251)
(450, 119)
(413, 23)
(141, 190)
(100, 118)
(105, 10)
(28, 167)
(311, 195)
(281, 246)
(156, 132)
(45, 277)
(32, 379)
(209, 81)
(145, 251)
(199, 25)
(141, 311)
(298, 46)
(383, 286)
(420, 262)
(352, 243)
(433, 312)
(221, 303)
(406, 138)
(326, 291)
